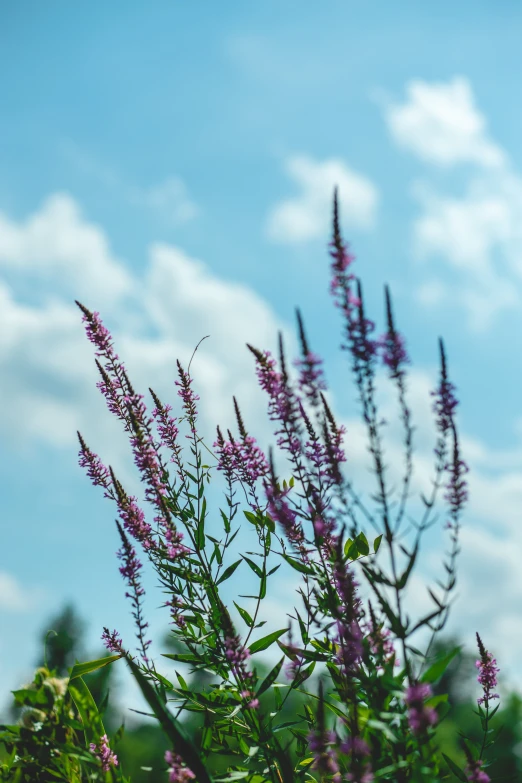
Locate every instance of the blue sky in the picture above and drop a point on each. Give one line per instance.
(171, 165)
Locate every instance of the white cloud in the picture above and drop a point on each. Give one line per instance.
(440, 123)
(479, 235)
(169, 199)
(307, 216)
(47, 372)
(476, 233)
(57, 245)
(15, 597)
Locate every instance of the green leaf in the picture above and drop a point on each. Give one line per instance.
(362, 544)
(226, 521)
(227, 573)
(173, 729)
(252, 518)
(182, 657)
(298, 565)
(244, 614)
(436, 671)
(86, 706)
(200, 530)
(271, 677)
(254, 566)
(353, 551)
(80, 669)
(262, 586)
(266, 641)
(455, 769)
(377, 543)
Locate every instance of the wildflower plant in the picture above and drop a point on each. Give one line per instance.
(368, 712)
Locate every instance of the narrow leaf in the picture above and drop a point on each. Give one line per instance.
(271, 677)
(227, 573)
(79, 669)
(266, 641)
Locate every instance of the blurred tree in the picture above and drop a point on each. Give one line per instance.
(62, 641)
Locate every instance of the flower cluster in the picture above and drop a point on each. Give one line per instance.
(488, 670)
(236, 655)
(178, 772)
(420, 715)
(104, 754)
(357, 654)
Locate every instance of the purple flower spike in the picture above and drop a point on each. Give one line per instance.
(104, 753)
(112, 641)
(236, 655)
(130, 570)
(188, 396)
(487, 677)
(445, 400)
(283, 406)
(311, 377)
(475, 773)
(392, 343)
(420, 716)
(177, 772)
(96, 470)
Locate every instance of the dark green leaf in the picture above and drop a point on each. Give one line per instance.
(271, 677)
(298, 565)
(362, 544)
(455, 769)
(377, 543)
(227, 573)
(226, 521)
(173, 729)
(80, 669)
(244, 614)
(266, 641)
(437, 669)
(254, 566)
(86, 706)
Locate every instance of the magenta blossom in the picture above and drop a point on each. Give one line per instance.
(104, 753)
(420, 716)
(488, 670)
(475, 773)
(177, 772)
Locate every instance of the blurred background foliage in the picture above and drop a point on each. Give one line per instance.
(142, 747)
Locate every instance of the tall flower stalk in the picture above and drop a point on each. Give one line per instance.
(365, 652)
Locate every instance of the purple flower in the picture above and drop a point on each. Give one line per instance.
(349, 634)
(456, 489)
(380, 641)
(188, 396)
(393, 352)
(237, 654)
(177, 772)
(475, 773)
(311, 377)
(488, 670)
(246, 459)
(325, 756)
(133, 518)
(283, 405)
(104, 753)
(420, 716)
(130, 570)
(96, 470)
(112, 641)
(280, 511)
(445, 401)
(392, 344)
